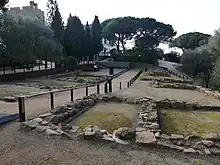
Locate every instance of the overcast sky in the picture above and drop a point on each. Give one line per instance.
(184, 15)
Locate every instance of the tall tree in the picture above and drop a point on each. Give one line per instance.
(190, 41)
(214, 44)
(88, 41)
(57, 25)
(96, 36)
(74, 37)
(119, 30)
(51, 7)
(3, 3)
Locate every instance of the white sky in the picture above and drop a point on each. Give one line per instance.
(184, 15)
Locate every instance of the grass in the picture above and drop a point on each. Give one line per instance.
(51, 82)
(109, 116)
(10, 91)
(190, 122)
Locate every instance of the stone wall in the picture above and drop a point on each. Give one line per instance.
(147, 131)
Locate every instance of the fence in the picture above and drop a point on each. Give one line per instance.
(108, 88)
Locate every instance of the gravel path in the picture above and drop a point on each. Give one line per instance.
(41, 104)
(141, 89)
(31, 148)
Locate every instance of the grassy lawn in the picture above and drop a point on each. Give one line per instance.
(109, 116)
(16, 91)
(190, 122)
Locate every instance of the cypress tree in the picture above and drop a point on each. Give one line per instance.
(97, 36)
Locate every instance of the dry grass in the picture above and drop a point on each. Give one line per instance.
(190, 122)
(109, 116)
(51, 82)
(4, 91)
(147, 76)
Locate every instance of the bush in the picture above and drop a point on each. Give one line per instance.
(70, 63)
(215, 76)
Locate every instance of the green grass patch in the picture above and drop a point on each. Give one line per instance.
(10, 91)
(109, 116)
(190, 122)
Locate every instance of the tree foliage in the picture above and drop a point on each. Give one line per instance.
(25, 41)
(74, 37)
(195, 62)
(215, 76)
(96, 32)
(57, 25)
(214, 44)
(51, 8)
(190, 41)
(147, 32)
(172, 56)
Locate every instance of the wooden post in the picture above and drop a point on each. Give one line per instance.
(128, 84)
(39, 65)
(87, 91)
(51, 100)
(98, 89)
(120, 84)
(21, 107)
(106, 88)
(110, 85)
(71, 94)
(3, 70)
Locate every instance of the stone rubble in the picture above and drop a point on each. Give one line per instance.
(147, 131)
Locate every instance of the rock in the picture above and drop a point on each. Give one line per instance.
(211, 136)
(164, 136)
(175, 147)
(117, 140)
(163, 144)
(38, 120)
(154, 126)
(189, 150)
(217, 144)
(10, 99)
(140, 129)
(176, 137)
(41, 128)
(179, 143)
(74, 129)
(157, 135)
(51, 132)
(146, 137)
(63, 134)
(192, 137)
(215, 151)
(30, 124)
(57, 118)
(124, 133)
(208, 143)
(65, 127)
(108, 138)
(198, 146)
(92, 133)
(129, 101)
(44, 122)
(207, 152)
(153, 117)
(45, 115)
(60, 109)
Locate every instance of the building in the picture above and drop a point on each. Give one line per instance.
(30, 12)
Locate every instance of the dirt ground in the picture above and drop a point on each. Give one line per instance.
(31, 148)
(141, 89)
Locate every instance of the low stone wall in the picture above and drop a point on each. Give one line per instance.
(208, 92)
(173, 85)
(166, 80)
(147, 131)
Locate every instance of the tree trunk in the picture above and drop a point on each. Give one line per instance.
(123, 46)
(46, 62)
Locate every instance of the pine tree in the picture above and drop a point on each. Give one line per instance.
(97, 36)
(51, 7)
(57, 25)
(74, 37)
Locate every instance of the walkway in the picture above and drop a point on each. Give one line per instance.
(41, 104)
